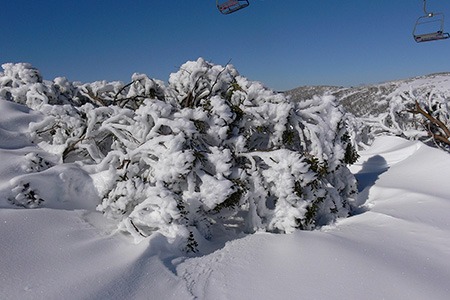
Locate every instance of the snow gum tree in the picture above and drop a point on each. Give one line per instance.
(208, 151)
(416, 114)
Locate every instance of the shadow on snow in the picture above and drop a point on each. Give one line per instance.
(367, 177)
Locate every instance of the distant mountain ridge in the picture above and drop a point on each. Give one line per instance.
(369, 100)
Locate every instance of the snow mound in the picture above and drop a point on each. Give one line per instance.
(387, 151)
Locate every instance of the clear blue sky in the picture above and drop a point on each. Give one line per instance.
(283, 44)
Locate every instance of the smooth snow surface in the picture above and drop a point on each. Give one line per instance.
(396, 247)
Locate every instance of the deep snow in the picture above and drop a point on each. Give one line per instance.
(396, 247)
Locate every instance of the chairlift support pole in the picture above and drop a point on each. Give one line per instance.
(429, 14)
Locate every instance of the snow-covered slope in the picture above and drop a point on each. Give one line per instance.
(396, 247)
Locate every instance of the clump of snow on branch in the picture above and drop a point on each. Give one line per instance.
(208, 151)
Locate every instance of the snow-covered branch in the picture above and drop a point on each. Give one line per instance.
(211, 150)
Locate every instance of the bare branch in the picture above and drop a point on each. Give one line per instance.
(445, 139)
(123, 88)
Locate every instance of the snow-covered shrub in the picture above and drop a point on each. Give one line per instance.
(209, 151)
(24, 84)
(36, 163)
(24, 195)
(402, 117)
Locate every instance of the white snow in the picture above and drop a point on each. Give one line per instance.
(397, 247)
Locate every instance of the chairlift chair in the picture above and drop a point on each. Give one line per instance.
(231, 6)
(429, 27)
(427, 22)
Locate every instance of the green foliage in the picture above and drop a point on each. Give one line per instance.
(318, 167)
(288, 137)
(298, 189)
(351, 155)
(25, 196)
(191, 244)
(310, 216)
(201, 126)
(232, 201)
(234, 86)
